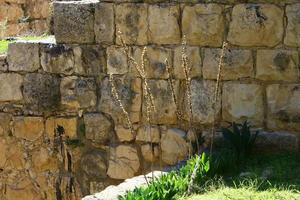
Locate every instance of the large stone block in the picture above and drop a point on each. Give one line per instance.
(292, 37)
(237, 63)
(150, 152)
(10, 87)
(163, 24)
(29, 128)
(148, 134)
(203, 24)
(117, 62)
(78, 92)
(154, 63)
(277, 65)
(104, 23)
(256, 25)
(23, 57)
(11, 12)
(124, 134)
(283, 107)
(42, 160)
(4, 124)
(131, 20)
(93, 164)
(38, 9)
(69, 124)
(41, 91)
(74, 21)
(123, 162)
(243, 102)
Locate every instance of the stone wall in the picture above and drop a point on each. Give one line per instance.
(24, 17)
(44, 85)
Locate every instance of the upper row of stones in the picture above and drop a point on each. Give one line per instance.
(165, 24)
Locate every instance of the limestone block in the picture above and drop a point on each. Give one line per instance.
(10, 87)
(98, 127)
(17, 29)
(23, 57)
(57, 59)
(4, 124)
(155, 65)
(24, 188)
(94, 164)
(150, 153)
(163, 24)
(116, 60)
(3, 148)
(194, 59)
(38, 9)
(11, 12)
(292, 37)
(40, 27)
(130, 95)
(41, 91)
(104, 23)
(42, 160)
(124, 134)
(148, 134)
(73, 21)
(243, 102)
(123, 163)
(131, 20)
(174, 146)
(69, 124)
(237, 63)
(78, 92)
(165, 108)
(256, 25)
(283, 107)
(29, 128)
(279, 65)
(15, 156)
(203, 24)
(3, 63)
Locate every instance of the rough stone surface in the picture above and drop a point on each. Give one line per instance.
(10, 12)
(283, 107)
(124, 134)
(3, 63)
(174, 146)
(150, 153)
(237, 64)
(280, 65)
(10, 87)
(23, 57)
(123, 162)
(243, 102)
(203, 24)
(93, 164)
(69, 125)
(292, 37)
(131, 20)
(148, 134)
(4, 124)
(98, 127)
(104, 23)
(256, 25)
(164, 19)
(29, 128)
(43, 161)
(116, 60)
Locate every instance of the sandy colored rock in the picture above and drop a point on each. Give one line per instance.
(150, 153)
(131, 20)
(203, 24)
(24, 188)
(40, 27)
(104, 29)
(14, 29)
(124, 134)
(3, 147)
(43, 161)
(163, 24)
(148, 134)
(10, 87)
(243, 102)
(69, 124)
(116, 60)
(29, 128)
(38, 9)
(93, 164)
(277, 65)
(292, 37)
(256, 25)
(3, 63)
(237, 63)
(123, 163)
(5, 119)
(11, 12)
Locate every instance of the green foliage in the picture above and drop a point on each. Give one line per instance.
(74, 143)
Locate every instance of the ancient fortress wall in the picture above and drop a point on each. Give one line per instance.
(45, 84)
(23, 17)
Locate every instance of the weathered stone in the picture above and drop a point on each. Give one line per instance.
(131, 20)
(3, 148)
(57, 59)
(116, 60)
(280, 65)
(283, 107)
(150, 153)
(193, 54)
(104, 23)
(124, 134)
(237, 63)
(4, 124)
(292, 37)
(243, 102)
(41, 91)
(10, 12)
(43, 161)
(10, 87)
(24, 188)
(16, 29)
(23, 57)
(74, 21)
(29, 128)
(15, 156)
(123, 163)
(40, 27)
(78, 92)
(256, 25)
(154, 63)
(96, 186)
(130, 94)
(38, 9)
(163, 24)
(203, 24)
(174, 146)
(69, 125)
(148, 134)
(165, 108)
(93, 164)
(3, 63)
(97, 127)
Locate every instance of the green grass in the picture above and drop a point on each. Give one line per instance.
(3, 46)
